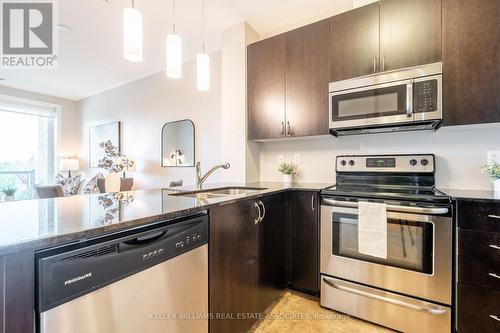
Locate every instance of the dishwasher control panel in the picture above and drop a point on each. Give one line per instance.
(72, 271)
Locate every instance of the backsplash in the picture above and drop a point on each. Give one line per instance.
(460, 151)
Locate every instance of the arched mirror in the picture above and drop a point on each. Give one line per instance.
(177, 145)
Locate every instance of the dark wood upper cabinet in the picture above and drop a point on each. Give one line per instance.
(354, 43)
(471, 61)
(410, 33)
(266, 88)
(306, 58)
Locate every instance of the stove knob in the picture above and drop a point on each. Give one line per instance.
(343, 162)
(413, 162)
(351, 162)
(424, 162)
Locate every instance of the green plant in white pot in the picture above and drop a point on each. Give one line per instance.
(9, 191)
(493, 171)
(288, 170)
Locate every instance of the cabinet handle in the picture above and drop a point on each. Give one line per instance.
(312, 202)
(383, 63)
(282, 128)
(263, 210)
(496, 247)
(495, 317)
(259, 218)
(289, 130)
(374, 64)
(494, 216)
(494, 275)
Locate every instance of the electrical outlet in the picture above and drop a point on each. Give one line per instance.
(281, 158)
(297, 159)
(493, 156)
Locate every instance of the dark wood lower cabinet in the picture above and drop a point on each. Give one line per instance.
(304, 242)
(478, 310)
(17, 293)
(247, 261)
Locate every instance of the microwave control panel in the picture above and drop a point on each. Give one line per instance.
(425, 96)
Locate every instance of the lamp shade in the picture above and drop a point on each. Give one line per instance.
(132, 34)
(174, 56)
(69, 164)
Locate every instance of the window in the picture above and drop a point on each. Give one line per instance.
(28, 139)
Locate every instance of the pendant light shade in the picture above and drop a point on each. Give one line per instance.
(132, 34)
(174, 56)
(203, 71)
(203, 60)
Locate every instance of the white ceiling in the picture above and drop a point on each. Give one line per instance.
(90, 54)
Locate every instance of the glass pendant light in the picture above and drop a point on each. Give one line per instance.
(203, 61)
(174, 52)
(132, 34)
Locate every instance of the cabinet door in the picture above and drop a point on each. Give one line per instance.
(471, 58)
(234, 266)
(272, 278)
(410, 33)
(477, 309)
(354, 43)
(266, 88)
(307, 79)
(305, 242)
(18, 289)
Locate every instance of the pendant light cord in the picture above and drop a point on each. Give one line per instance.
(174, 16)
(203, 26)
(133, 4)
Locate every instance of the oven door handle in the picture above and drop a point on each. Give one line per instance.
(435, 310)
(394, 208)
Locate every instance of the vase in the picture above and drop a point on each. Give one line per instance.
(112, 182)
(287, 179)
(496, 186)
(10, 198)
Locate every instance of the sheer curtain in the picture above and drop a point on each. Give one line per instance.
(28, 139)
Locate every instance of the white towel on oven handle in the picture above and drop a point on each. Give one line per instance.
(372, 229)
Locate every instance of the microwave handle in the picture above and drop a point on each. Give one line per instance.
(409, 98)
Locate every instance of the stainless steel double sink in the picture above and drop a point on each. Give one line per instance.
(219, 192)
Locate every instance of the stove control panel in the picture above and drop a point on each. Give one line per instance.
(424, 163)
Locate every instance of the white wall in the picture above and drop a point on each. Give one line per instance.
(235, 149)
(360, 3)
(460, 151)
(144, 106)
(69, 120)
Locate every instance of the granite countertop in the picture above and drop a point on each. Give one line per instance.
(37, 224)
(472, 194)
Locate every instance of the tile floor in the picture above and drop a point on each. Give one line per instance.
(299, 313)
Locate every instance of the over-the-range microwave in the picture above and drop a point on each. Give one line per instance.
(402, 100)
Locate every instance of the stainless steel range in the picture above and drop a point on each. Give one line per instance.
(409, 287)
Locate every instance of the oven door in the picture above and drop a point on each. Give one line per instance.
(380, 104)
(419, 253)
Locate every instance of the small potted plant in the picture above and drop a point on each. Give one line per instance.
(493, 171)
(288, 170)
(9, 192)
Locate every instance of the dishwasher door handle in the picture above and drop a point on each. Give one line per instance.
(146, 239)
